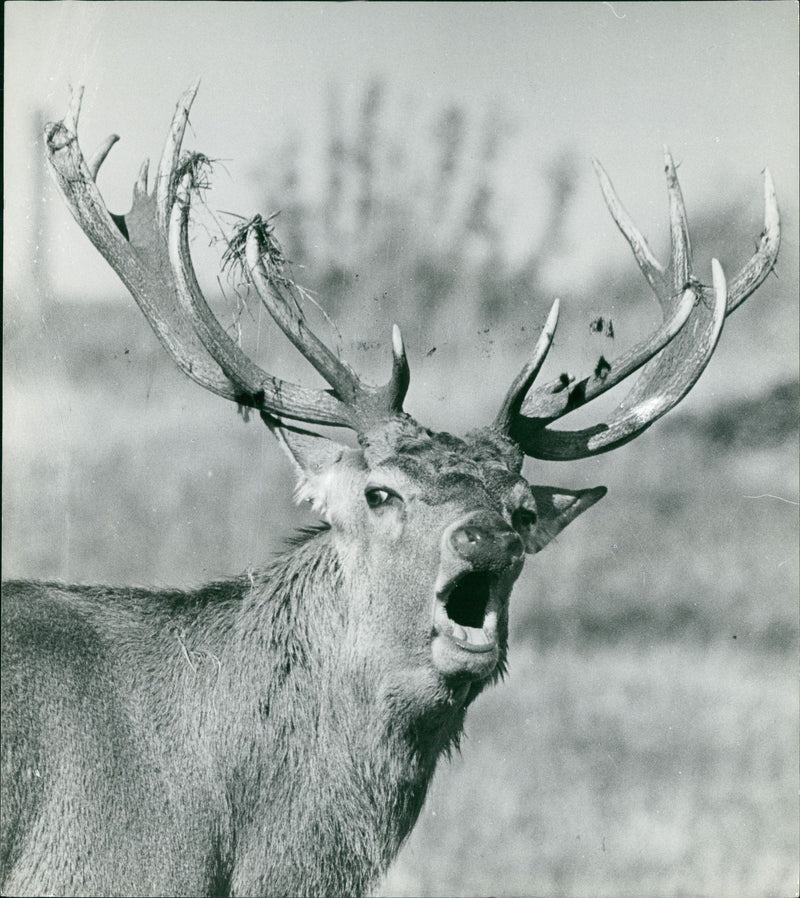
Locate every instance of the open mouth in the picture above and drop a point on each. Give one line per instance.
(465, 619)
(465, 602)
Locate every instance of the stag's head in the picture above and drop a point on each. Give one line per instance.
(461, 517)
(457, 510)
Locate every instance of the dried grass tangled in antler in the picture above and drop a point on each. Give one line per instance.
(275, 262)
(199, 166)
(276, 265)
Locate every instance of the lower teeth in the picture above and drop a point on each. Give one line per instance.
(472, 635)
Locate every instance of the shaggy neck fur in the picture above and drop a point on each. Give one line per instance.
(326, 752)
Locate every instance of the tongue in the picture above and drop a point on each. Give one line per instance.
(473, 635)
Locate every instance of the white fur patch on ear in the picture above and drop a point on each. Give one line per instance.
(305, 491)
(556, 508)
(323, 468)
(331, 491)
(312, 456)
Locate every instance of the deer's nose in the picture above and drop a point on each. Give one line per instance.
(487, 542)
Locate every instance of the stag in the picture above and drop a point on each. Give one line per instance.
(275, 734)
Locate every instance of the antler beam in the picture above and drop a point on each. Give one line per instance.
(671, 359)
(149, 250)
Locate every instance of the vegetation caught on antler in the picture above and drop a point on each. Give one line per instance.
(234, 258)
(198, 167)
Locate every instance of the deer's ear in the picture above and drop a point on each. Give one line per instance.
(313, 458)
(555, 509)
(310, 453)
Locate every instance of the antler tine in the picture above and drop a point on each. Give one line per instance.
(512, 404)
(366, 404)
(395, 391)
(254, 387)
(681, 260)
(286, 314)
(649, 265)
(681, 363)
(166, 185)
(628, 421)
(557, 398)
(100, 154)
(140, 185)
(671, 359)
(149, 250)
(763, 260)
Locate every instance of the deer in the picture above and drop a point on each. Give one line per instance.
(275, 733)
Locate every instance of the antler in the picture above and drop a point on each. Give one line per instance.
(149, 250)
(672, 358)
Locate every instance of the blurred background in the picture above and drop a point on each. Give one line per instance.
(430, 164)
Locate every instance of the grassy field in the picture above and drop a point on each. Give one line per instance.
(640, 769)
(645, 740)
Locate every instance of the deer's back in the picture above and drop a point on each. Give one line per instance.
(85, 777)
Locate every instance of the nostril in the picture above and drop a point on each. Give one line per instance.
(487, 546)
(513, 544)
(465, 538)
(473, 535)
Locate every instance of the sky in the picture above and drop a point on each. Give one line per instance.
(716, 81)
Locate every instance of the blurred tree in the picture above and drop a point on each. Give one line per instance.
(365, 152)
(437, 232)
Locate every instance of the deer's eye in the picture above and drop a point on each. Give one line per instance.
(380, 496)
(524, 519)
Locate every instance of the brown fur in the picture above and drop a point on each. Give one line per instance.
(269, 735)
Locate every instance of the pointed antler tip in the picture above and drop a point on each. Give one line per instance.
(552, 318)
(717, 274)
(720, 291)
(398, 349)
(187, 97)
(74, 109)
(720, 306)
(602, 176)
(100, 154)
(771, 214)
(141, 179)
(395, 391)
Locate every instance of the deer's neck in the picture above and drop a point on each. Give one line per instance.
(333, 752)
